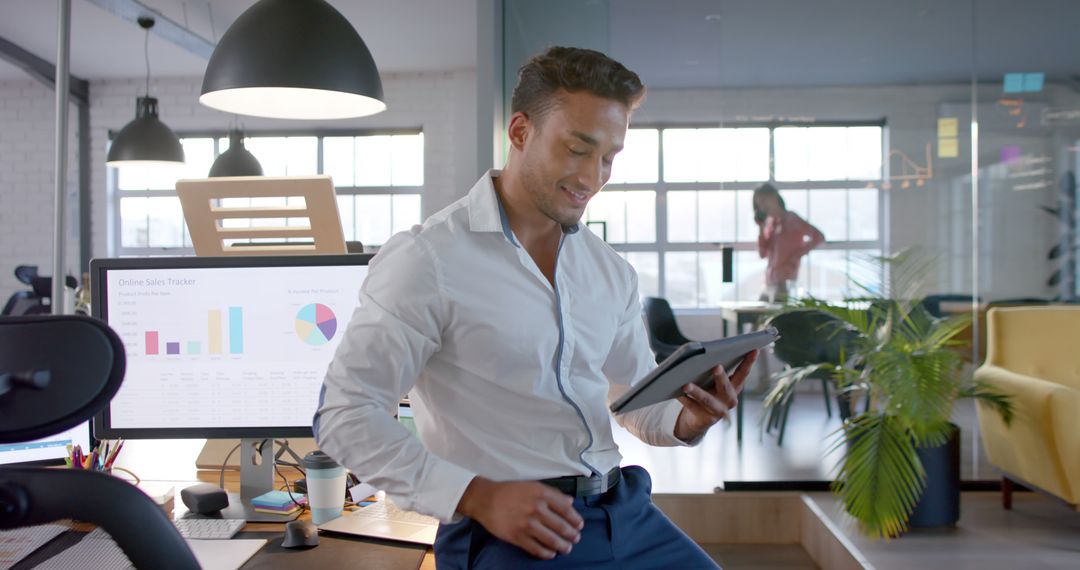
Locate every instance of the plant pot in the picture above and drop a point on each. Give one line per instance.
(940, 502)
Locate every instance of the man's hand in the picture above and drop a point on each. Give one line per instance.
(702, 408)
(533, 516)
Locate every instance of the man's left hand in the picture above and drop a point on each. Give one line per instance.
(702, 408)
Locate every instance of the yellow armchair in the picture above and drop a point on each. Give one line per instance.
(1033, 355)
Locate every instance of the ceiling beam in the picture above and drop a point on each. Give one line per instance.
(132, 10)
(43, 71)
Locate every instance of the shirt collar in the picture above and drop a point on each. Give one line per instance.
(487, 214)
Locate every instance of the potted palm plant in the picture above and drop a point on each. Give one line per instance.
(908, 369)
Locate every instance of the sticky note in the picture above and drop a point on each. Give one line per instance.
(1010, 153)
(947, 148)
(1033, 82)
(947, 126)
(1014, 83)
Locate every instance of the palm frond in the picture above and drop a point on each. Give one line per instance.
(991, 396)
(880, 478)
(784, 384)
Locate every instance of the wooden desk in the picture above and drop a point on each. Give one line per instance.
(163, 463)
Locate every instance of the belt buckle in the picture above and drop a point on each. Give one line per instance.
(604, 482)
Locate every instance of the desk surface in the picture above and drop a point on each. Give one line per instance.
(164, 463)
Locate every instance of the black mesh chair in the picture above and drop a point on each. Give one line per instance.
(36, 301)
(808, 336)
(57, 372)
(664, 335)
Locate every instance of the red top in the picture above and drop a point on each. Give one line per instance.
(784, 240)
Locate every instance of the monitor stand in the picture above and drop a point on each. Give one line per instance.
(256, 478)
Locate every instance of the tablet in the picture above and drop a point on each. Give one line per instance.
(692, 362)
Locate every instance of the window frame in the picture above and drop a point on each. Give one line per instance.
(116, 246)
(662, 246)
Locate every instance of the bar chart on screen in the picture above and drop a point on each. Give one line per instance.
(232, 332)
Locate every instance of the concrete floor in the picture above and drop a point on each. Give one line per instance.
(1039, 533)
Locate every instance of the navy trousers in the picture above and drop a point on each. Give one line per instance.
(623, 529)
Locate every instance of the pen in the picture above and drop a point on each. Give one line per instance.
(112, 456)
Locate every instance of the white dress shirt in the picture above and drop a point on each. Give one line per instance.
(509, 377)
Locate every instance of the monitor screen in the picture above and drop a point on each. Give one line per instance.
(224, 346)
(49, 450)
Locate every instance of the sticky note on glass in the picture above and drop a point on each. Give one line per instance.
(947, 126)
(1014, 83)
(1010, 153)
(947, 148)
(1033, 82)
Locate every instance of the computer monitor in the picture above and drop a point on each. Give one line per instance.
(224, 347)
(46, 451)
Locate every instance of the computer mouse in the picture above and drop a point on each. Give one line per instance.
(300, 534)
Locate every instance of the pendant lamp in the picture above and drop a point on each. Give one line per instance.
(237, 160)
(293, 59)
(146, 140)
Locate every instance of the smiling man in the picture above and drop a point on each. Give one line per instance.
(512, 329)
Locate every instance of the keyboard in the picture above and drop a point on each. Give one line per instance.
(214, 529)
(388, 511)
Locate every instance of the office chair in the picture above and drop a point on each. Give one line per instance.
(36, 301)
(55, 373)
(664, 335)
(808, 336)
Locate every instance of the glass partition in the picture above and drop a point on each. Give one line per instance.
(947, 128)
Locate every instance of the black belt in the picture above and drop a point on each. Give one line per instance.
(582, 486)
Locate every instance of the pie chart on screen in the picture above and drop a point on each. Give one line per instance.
(316, 324)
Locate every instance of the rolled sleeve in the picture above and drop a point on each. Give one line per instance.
(385, 346)
(629, 360)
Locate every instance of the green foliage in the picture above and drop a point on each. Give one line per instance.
(909, 364)
(880, 479)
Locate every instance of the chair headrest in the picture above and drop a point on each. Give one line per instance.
(58, 370)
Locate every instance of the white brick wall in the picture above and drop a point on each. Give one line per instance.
(441, 103)
(27, 151)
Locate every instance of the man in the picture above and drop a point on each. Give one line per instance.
(511, 330)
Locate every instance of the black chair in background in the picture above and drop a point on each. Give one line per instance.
(37, 300)
(57, 372)
(809, 336)
(664, 335)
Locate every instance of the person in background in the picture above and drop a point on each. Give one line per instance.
(783, 238)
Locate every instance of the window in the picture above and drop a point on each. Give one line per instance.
(676, 195)
(379, 180)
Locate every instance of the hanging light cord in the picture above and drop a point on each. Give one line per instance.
(146, 53)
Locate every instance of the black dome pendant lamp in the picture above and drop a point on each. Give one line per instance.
(293, 59)
(145, 140)
(237, 160)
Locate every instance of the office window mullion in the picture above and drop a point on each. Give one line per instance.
(661, 218)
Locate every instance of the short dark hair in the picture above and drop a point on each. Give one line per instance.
(573, 70)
